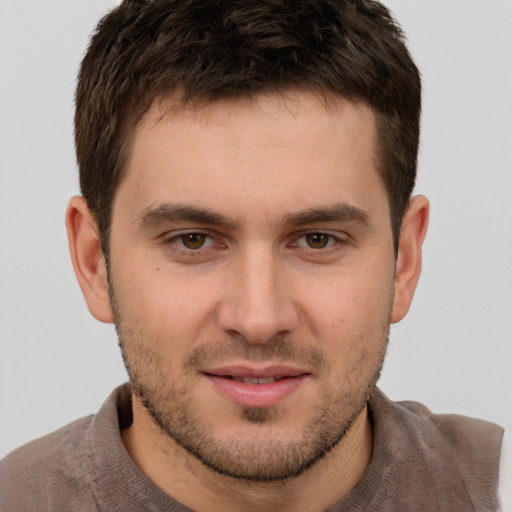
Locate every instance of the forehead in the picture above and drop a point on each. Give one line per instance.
(296, 106)
(271, 147)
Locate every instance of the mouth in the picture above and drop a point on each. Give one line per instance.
(256, 387)
(256, 380)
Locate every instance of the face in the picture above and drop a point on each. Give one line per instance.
(251, 278)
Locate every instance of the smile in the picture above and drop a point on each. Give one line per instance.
(252, 380)
(250, 387)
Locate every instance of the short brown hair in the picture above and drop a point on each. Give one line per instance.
(208, 49)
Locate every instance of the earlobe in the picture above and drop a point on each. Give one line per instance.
(408, 264)
(88, 260)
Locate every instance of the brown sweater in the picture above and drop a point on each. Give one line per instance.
(421, 462)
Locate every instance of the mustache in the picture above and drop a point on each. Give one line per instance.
(275, 349)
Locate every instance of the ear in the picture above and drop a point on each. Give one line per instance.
(88, 260)
(408, 263)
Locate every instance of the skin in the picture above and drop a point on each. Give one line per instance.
(288, 260)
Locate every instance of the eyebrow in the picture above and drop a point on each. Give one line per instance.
(170, 212)
(341, 212)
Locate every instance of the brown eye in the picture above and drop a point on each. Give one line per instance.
(193, 240)
(317, 240)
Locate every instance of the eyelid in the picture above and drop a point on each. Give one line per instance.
(337, 241)
(174, 238)
(338, 235)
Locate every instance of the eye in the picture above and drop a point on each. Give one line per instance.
(316, 240)
(194, 241)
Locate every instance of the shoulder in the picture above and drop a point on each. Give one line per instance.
(505, 484)
(469, 446)
(469, 437)
(49, 470)
(447, 458)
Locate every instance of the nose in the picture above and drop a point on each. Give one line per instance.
(257, 302)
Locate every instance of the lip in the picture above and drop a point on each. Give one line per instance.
(256, 395)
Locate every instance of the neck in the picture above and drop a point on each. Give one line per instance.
(187, 480)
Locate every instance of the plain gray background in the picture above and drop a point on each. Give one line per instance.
(453, 351)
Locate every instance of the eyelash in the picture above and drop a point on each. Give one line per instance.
(333, 240)
(333, 243)
(176, 238)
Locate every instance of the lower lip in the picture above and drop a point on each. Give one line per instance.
(257, 395)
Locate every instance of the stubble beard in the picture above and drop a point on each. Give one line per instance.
(249, 458)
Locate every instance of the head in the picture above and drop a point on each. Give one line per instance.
(200, 51)
(247, 170)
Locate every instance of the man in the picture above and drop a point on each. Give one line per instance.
(246, 222)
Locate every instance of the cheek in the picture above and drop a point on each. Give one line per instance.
(349, 300)
(168, 310)
(349, 321)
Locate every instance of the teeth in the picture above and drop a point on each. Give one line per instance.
(265, 380)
